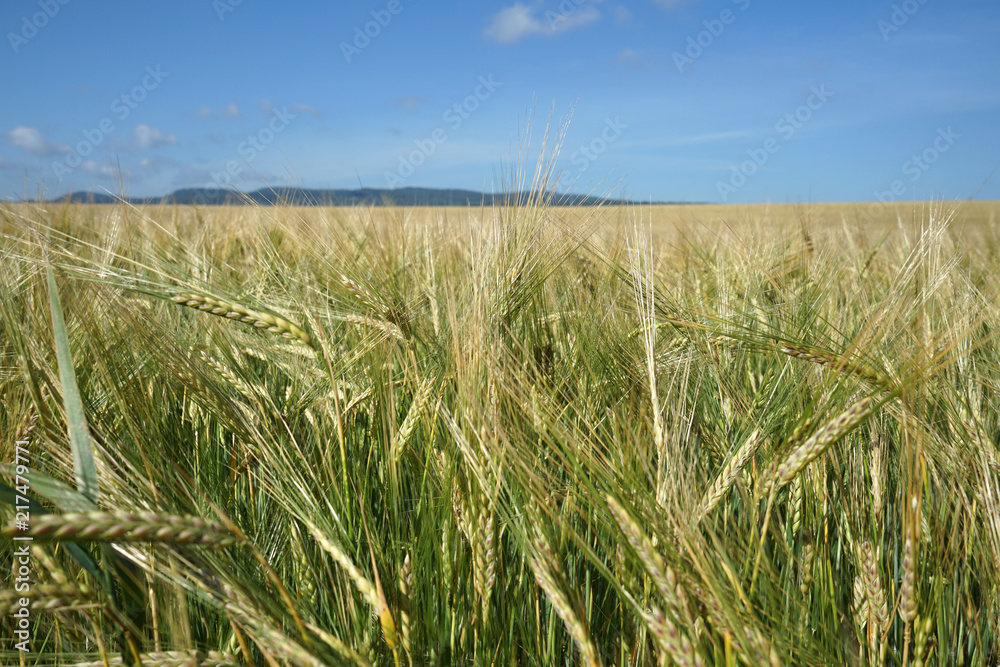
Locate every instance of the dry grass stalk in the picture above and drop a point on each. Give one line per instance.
(132, 527)
(728, 476)
(234, 311)
(815, 445)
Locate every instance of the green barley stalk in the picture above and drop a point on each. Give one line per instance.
(126, 527)
(234, 311)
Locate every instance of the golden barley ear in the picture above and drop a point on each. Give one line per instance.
(234, 311)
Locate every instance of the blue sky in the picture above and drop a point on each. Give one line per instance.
(704, 100)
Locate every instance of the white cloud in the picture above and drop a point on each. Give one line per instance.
(30, 140)
(518, 21)
(622, 14)
(154, 164)
(266, 106)
(205, 112)
(231, 111)
(105, 170)
(150, 137)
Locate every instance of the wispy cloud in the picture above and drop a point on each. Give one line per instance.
(514, 23)
(231, 110)
(30, 140)
(103, 170)
(629, 57)
(269, 109)
(145, 136)
(305, 108)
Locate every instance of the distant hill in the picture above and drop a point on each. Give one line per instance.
(362, 197)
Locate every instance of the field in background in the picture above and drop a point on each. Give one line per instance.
(683, 435)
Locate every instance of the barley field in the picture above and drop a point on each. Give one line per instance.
(522, 435)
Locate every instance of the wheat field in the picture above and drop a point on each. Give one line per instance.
(521, 435)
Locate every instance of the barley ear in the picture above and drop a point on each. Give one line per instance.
(814, 446)
(728, 475)
(234, 311)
